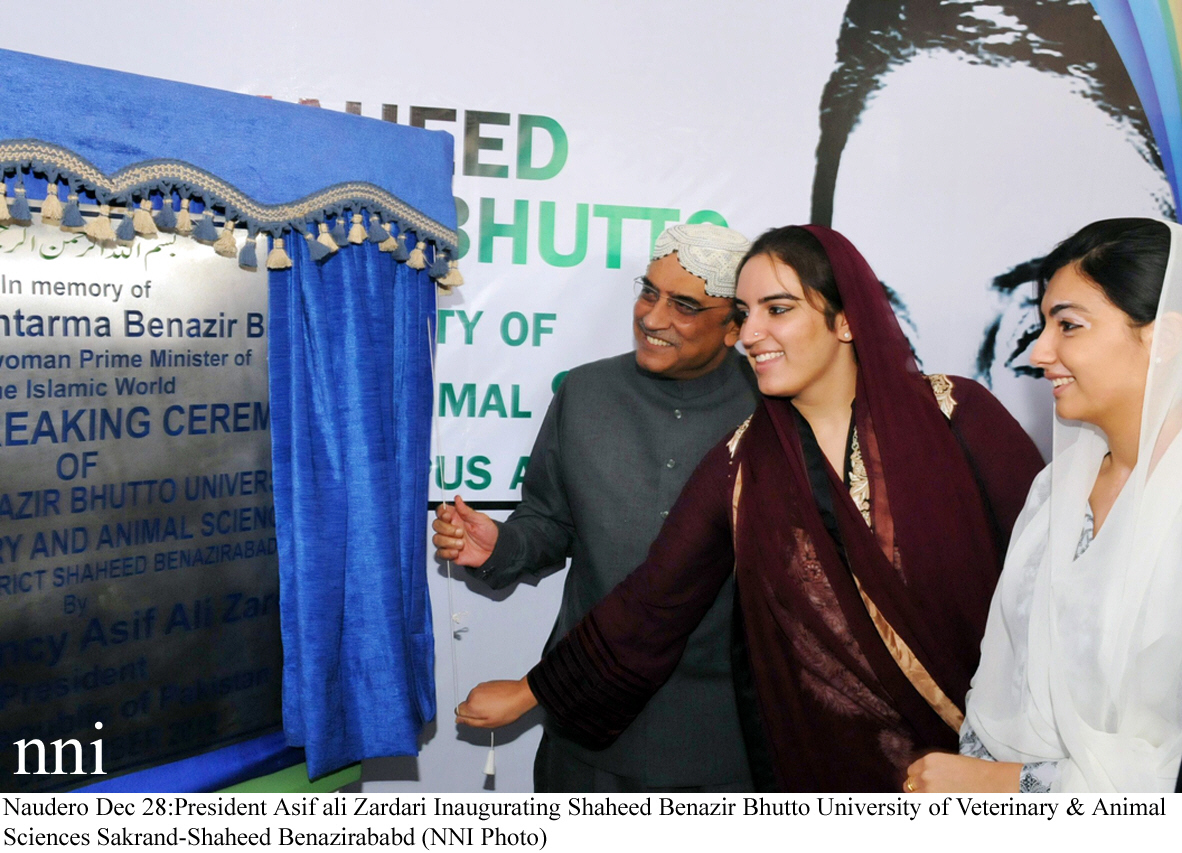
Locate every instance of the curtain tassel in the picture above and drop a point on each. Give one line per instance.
(184, 219)
(338, 231)
(51, 208)
(357, 232)
(388, 244)
(166, 216)
(71, 216)
(142, 220)
(5, 216)
(125, 231)
(400, 252)
(19, 209)
(453, 278)
(377, 234)
(317, 249)
(325, 239)
(417, 259)
(278, 258)
(205, 231)
(99, 229)
(248, 257)
(226, 245)
(439, 265)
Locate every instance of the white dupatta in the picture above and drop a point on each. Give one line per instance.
(1082, 658)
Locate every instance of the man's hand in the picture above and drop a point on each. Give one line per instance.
(463, 535)
(945, 773)
(495, 703)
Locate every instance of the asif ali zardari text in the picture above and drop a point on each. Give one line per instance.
(368, 807)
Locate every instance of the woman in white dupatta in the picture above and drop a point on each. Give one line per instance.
(1080, 682)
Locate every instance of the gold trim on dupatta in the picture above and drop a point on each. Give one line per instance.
(906, 660)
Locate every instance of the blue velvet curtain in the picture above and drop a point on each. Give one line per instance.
(349, 356)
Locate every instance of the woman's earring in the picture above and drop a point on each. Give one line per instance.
(846, 336)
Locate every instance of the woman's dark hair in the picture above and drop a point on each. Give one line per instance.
(796, 247)
(1125, 258)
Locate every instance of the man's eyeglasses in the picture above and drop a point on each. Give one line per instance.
(649, 295)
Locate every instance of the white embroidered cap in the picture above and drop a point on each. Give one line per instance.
(711, 252)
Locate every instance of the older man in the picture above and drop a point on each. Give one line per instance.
(619, 441)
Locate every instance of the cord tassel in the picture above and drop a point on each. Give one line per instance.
(51, 208)
(357, 231)
(71, 216)
(99, 229)
(5, 216)
(338, 231)
(226, 245)
(278, 258)
(417, 259)
(205, 231)
(142, 220)
(19, 209)
(248, 257)
(125, 231)
(453, 278)
(490, 763)
(388, 244)
(400, 252)
(317, 249)
(184, 219)
(166, 216)
(377, 234)
(325, 239)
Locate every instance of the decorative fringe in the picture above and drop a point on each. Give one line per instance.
(205, 231)
(145, 226)
(166, 216)
(122, 218)
(389, 243)
(184, 219)
(51, 208)
(453, 278)
(99, 229)
(125, 232)
(317, 249)
(278, 258)
(19, 209)
(377, 234)
(226, 245)
(417, 259)
(72, 217)
(248, 258)
(400, 252)
(357, 232)
(325, 239)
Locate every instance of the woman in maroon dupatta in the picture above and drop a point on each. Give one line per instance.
(864, 508)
